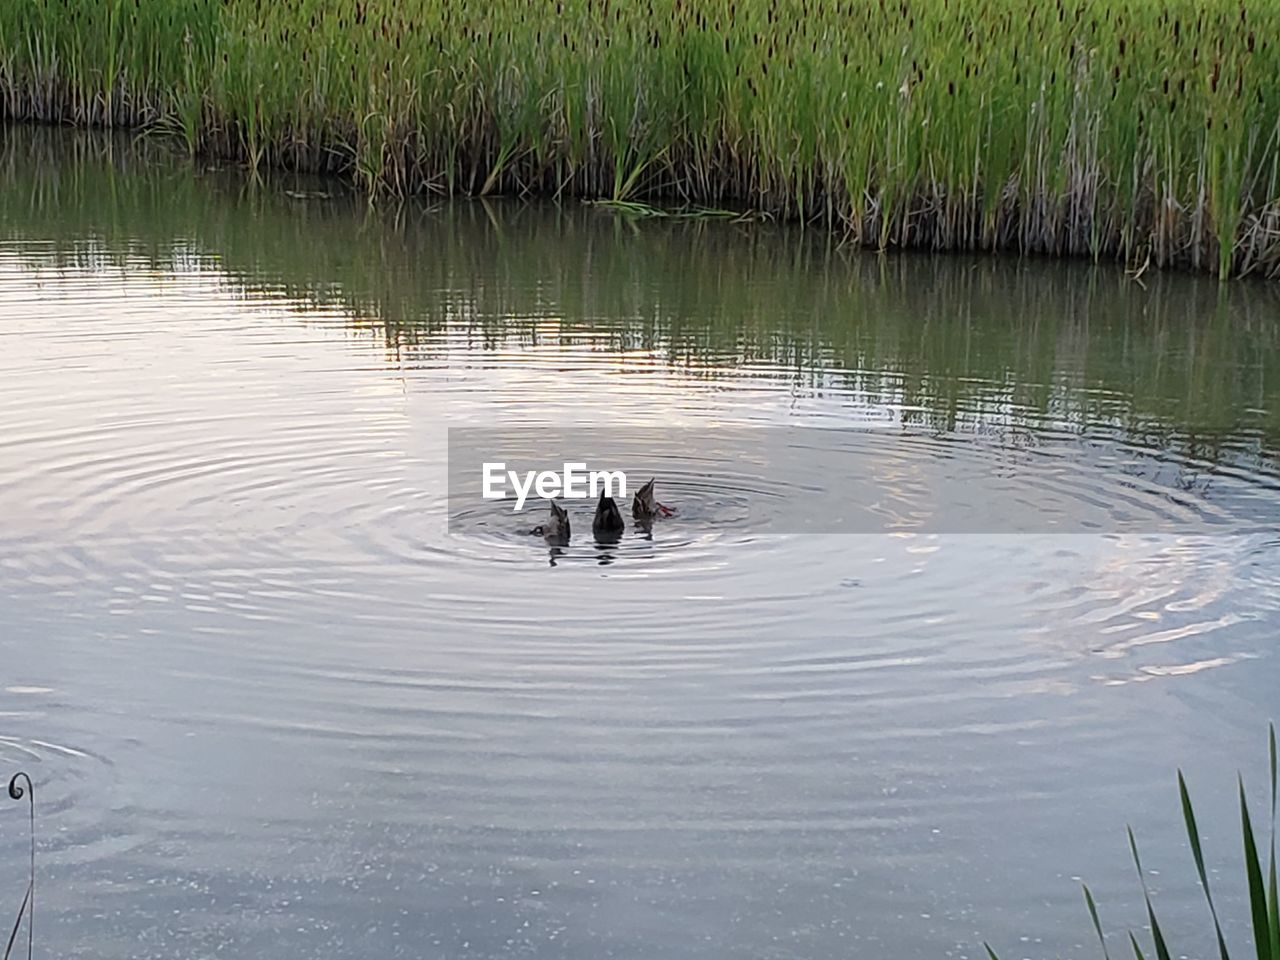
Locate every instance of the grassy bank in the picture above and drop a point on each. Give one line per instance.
(1136, 129)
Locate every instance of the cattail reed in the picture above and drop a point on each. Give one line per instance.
(970, 124)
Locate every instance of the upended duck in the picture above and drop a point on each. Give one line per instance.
(556, 530)
(645, 508)
(607, 523)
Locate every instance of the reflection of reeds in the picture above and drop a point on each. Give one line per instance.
(27, 909)
(953, 342)
(1264, 903)
(1109, 128)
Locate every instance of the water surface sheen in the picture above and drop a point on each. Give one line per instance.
(274, 708)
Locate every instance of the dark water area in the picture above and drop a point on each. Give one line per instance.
(276, 705)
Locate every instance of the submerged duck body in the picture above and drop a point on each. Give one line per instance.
(645, 508)
(556, 529)
(608, 523)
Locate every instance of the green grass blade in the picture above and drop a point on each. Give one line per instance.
(1257, 890)
(1137, 950)
(1097, 924)
(1193, 835)
(1273, 906)
(1272, 739)
(991, 954)
(1273, 901)
(1157, 935)
(1162, 949)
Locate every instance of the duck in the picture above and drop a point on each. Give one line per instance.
(607, 524)
(645, 508)
(556, 529)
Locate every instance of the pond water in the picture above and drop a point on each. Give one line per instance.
(276, 705)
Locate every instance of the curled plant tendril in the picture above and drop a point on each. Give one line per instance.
(28, 907)
(16, 790)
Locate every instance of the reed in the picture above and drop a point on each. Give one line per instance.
(1259, 880)
(1144, 130)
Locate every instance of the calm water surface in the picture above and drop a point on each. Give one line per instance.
(274, 708)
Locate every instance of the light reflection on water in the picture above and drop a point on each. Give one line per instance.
(273, 708)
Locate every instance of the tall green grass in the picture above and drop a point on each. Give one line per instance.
(1141, 129)
(1263, 890)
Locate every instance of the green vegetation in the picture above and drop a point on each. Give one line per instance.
(1264, 892)
(1140, 129)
